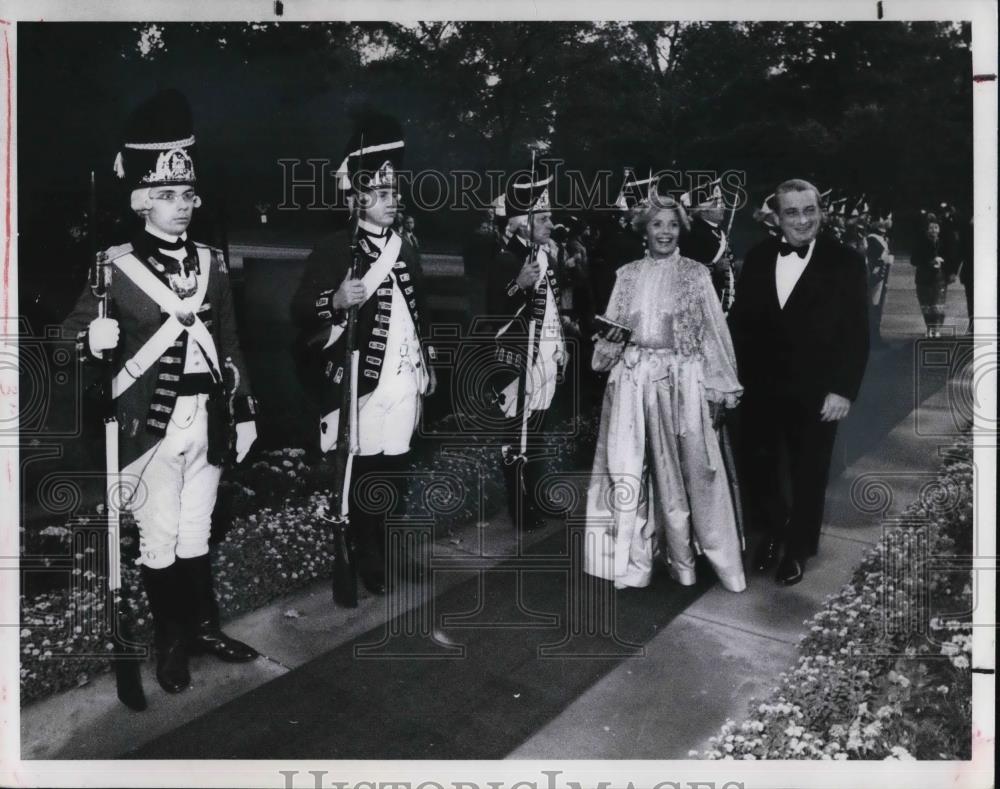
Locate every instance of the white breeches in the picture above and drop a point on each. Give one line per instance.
(174, 488)
(389, 415)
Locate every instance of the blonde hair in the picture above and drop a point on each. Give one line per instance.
(644, 212)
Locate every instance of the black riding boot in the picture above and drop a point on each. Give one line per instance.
(166, 599)
(205, 636)
(520, 479)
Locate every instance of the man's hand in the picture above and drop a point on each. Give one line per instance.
(834, 408)
(432, 382)
(350, 292)
(528, 278)
(102, 335)
(246, 434)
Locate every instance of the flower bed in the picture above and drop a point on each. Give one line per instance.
(268, 541)
(884, 668)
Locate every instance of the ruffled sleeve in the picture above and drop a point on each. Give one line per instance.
(719, 359)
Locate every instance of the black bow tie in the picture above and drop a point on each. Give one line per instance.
(784, 248)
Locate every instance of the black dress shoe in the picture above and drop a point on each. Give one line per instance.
(374, 582)
(790, 571)
(209, 640)
(766, 555)
(172, 667)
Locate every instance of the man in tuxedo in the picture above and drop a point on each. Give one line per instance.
(800, 330)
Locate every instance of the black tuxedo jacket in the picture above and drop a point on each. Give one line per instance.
(817, 343)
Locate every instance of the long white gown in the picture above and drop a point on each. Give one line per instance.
(658, 477)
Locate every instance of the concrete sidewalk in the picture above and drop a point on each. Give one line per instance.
(701, 668)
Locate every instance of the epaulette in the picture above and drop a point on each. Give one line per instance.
(214, 250)
(217, 256)
(118, 251)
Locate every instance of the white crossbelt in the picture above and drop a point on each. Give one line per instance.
(376, 274)
(172, 328)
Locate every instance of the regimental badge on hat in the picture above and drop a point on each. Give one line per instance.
(159, 144)
(527, 192)
(373, 155)
(633, 191)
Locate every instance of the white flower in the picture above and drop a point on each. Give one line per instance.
(900, 753)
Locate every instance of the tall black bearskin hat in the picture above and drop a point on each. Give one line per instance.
(373, 154)
(158, 147)
(528, 191)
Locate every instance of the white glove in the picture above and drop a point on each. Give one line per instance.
(246, 434)
(102, 335)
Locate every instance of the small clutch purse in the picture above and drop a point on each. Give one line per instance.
(607, 329)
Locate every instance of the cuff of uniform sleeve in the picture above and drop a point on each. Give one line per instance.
(83, 352)
(245, 408)
(325, 310)
(513, 289)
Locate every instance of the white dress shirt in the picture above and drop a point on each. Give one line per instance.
(788, 270)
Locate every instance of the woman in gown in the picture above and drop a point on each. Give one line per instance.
(658, 479)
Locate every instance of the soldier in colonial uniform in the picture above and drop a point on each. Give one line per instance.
(767, 216)
(524, 288)
(392, 328)
(707, 242)
(618, 243)
(180, 384)
(879, 260)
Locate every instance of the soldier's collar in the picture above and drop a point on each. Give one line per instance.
(371, 228)
(165, 241)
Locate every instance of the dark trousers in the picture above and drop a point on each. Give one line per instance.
(378, 488)
(786, 452)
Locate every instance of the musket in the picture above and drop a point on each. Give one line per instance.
(128, 680)
(345, 570)
(517, 461)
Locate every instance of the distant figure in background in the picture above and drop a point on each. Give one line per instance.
(933, 273)
(619, 244)
(409, 223)
(707, 243)
(879, 262)
(766, 216)
(478, 252)
(966, 275)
